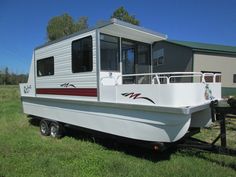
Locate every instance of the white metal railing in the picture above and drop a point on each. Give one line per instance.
(213, 75)
(172, 77)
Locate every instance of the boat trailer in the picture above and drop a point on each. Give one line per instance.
(220, 111)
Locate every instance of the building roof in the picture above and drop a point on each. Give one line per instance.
(204, 47)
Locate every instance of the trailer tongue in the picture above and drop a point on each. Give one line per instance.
(222, 111)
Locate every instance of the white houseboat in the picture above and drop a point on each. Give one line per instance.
(101, 79)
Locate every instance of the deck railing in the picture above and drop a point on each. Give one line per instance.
(168, 77)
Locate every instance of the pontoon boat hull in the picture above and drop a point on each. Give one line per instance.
(139, 122)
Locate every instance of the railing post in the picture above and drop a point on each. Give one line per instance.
(167, 80)
(214, 78)
(157, 78)
(203, 78)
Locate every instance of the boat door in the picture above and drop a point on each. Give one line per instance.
(109, 59)
(135, 60)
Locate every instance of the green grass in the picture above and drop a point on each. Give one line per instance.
(24, 152)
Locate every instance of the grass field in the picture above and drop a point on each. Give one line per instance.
(24, 152)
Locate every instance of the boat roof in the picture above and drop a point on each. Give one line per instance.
(121, 28)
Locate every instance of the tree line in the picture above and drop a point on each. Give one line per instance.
(63, 25)
(11, 78)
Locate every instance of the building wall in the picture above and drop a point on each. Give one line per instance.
(176, 58)
(218, 63)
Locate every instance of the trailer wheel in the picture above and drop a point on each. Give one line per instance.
(56, 130)
(44, 129)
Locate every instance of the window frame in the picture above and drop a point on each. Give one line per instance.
(137, 61)
(234, 78)
(136, 54)
(119, 54)
(91, 69)
(44, 59)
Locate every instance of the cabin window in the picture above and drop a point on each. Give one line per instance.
(82, 56)
(109, 52)
(234, 78)
(45, 67)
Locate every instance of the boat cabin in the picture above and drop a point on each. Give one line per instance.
(112, 63)
(102, 79)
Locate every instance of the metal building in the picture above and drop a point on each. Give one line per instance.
(197, 57)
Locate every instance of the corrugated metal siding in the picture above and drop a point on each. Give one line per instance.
(176, 58)
(62, 62)
(227, 91)
(217, 63)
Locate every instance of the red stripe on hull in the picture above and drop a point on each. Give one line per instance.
(68, 91)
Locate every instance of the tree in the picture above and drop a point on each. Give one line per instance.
(64, 25)
(81, 24)
(1, 77)
(101, 22)
(122, 14)
(6, 79)
(10, 78)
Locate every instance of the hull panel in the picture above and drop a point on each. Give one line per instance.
(121, 120)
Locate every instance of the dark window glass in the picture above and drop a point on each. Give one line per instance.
(109, 53)
(160, 60)
(234, 78)
(158, 57)
(45, 67)
(135, 59)
(128, 56)
(82, 55)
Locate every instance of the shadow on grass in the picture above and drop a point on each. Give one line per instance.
(130, 147)
(138, 149)
(205, 156)
(135, 148)
(33, 121)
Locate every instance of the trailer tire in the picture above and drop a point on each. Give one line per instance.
(56, 130)
(44, 128)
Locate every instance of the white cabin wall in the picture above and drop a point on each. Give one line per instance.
(63, 68)
(28, 89)
(31, 78)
